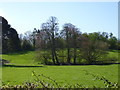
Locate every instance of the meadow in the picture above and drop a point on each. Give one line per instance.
(21, 66)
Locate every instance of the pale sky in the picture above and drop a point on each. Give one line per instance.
(88, 16)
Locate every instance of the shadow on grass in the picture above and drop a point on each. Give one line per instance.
(19, 66)
(81, 64)
(108, 64)
(27, 66)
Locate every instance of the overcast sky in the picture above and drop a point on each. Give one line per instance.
(88, 16)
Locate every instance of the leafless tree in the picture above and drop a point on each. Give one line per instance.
(70, 33)
(51, 28)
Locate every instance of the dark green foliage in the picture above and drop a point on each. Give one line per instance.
(10, 39)
(112, 43)
(60, 43)
(43, 56)
(27, 41)
(118, 44)
(26, 45)
(92, 49)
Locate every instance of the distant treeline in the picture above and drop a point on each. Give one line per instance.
(68, 44)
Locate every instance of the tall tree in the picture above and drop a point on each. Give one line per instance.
(75, 35)
(66, 34)
(51, 29)
(10, 39)
(70, 33)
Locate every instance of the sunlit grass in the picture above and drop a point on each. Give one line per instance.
(24, 59)
(62, 74)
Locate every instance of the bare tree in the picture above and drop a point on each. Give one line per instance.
(70, 33)
(76, 34)
(51, 28)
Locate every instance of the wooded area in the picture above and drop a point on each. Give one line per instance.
(54, 46)
(50, 57)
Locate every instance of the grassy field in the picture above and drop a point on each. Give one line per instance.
(62, 74)
(26, 58)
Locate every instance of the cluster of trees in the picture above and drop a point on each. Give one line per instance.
(27, 41)
(54, 46)
(69, 45)
(10, 39)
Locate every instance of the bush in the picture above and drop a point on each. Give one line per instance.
(44, 57)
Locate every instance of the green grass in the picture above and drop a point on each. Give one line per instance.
(114, 54)
(63, 74)
(28, 58)
(24, 58)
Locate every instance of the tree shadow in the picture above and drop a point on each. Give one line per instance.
(20, 66)
(82, 64)
(107, 64)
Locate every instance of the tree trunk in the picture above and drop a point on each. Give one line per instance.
(56, 57)
(75, 55)
(68, 48)
(53, 59)
(68, 55)
(52, 43)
